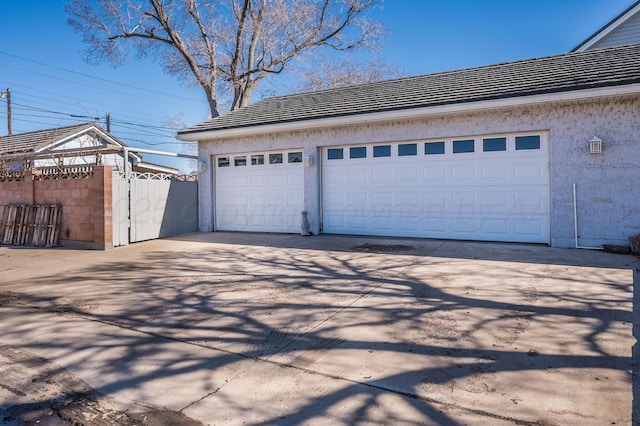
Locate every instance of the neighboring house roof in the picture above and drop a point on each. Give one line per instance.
(623, 29)
(40, 139)
(600, 68)
(144, 167)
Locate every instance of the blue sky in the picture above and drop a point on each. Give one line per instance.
(40, 60)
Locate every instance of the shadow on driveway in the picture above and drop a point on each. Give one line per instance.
(274, 329)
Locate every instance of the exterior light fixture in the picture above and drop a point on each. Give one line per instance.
(307, 161)
(595, 145)
(202, 166)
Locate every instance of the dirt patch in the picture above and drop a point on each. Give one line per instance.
(8, 298)
(382, 248)
(164, 418)
(71, 310)
(44, 393)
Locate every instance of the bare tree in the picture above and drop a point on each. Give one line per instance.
(223, 45)
(176, 123)
(329, 73)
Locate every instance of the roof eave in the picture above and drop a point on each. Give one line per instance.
(207, 135)
(158, 168)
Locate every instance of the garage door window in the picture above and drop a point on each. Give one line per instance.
(527, 142)
(240, 160)
(295, 157)
(382, 151)
(434, 148)
(407, 149)
(335, 154)
(275, 158)
(494, 144)
(358, 152)
(463, 146)
(257, 160)
(223, 162)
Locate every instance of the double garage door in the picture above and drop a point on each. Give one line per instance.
(485, 188)
(493, 188)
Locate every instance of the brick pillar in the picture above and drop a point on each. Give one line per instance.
(30, 186)
(101, 189)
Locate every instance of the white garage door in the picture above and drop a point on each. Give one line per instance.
(259, 191)
(492, 188)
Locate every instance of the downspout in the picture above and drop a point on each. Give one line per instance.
(575, 224)
(127, 178)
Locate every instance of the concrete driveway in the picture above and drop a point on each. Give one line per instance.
(227, 328)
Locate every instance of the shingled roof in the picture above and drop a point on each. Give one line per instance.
(563, 73)
(34, 141)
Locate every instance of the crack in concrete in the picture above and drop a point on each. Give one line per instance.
(219, 388)
(355, 300)
(90, 317)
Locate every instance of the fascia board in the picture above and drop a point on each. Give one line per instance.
(411, 113)
(63, 140)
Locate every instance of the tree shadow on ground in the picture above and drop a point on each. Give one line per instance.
(451, 336)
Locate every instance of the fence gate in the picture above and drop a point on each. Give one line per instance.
(149, 205)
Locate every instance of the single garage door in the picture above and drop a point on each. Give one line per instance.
(491, 188)
(259, 191)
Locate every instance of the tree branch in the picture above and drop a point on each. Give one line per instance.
(228, 45)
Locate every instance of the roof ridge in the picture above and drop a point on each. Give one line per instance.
(88, 124)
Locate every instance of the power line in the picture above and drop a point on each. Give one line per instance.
(48, 112)
(115, 123)
(38, 100)
(150, 127)
(125, 124)
(94, 117)
(76, 118)
(118, 134)
(92, 76)
(30, 108)
(76, 82)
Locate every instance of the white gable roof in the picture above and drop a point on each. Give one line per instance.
(623, 29)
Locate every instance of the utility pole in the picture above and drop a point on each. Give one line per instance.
(108, 119)
(7, 94)
(9, 111)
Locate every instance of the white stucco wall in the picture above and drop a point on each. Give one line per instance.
(608, 185)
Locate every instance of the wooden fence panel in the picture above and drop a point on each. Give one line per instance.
(36, 225)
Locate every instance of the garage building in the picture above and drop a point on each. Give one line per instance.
(545, 150)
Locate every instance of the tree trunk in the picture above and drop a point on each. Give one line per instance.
(242, 94)
(213, 103)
